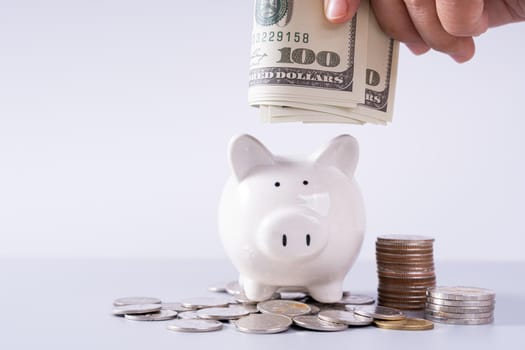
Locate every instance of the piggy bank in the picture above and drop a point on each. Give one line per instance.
(292, 222)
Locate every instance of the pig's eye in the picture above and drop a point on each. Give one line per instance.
(305, 182)
(277, 184)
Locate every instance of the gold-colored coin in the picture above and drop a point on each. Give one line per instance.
(408, 324)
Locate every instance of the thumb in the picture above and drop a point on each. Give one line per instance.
(338, 11)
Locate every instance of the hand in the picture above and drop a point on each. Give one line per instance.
(443, 25)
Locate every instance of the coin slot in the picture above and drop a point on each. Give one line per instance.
(308, 239)
(285, 240)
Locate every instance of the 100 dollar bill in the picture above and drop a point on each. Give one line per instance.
(303, 68)
(296, 53)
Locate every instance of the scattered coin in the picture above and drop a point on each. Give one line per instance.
(243, 299)
(218, 287)
(188, 315)
(136, 309)
(345, 317)
(203, 302)
(176, 307)
(292, 295)
(161, 315)
(315, 323)
(380, 313)
(408, 324)
(192, 325)
(233, 288)
(135, 301)
(314, 309)
(288, 308)
(222, 313)
(251, 308)
(322, 306)
(356, 299)
(263, 323)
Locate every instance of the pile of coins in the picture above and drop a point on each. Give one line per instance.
(405, 268)
(284, 310)
(460, 305)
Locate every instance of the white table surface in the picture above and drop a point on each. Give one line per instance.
(66, 304)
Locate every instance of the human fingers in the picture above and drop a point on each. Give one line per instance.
(393, 18)
(503, 12)
(463, 18)
(339, 11)
(426, 21)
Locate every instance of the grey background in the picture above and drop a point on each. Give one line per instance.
(58, 305)
(115, 116)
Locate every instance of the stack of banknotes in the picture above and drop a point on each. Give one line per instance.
(306, 69)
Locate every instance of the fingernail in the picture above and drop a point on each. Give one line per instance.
(417, 48)
(336, 9)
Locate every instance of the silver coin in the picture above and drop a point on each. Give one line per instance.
(380, 313)
(461, 303)
(233, 288)
(460, 321)
(449, 315)
(161, 315)
(135, 301)
(188, 315)
(292, 295)
(292, 289)
(222, 313)
(314, 309)
(176, 307)
(202, 302)
(251, 308)
(136, 309)
(459, 309)
(345, 317)
(243, 299)
(263, 323)
(461, 293)
(351, 308)
(288, 308)
(195, 325)
(218, 288)
(334, 306)
(356, 299)
(315, 323)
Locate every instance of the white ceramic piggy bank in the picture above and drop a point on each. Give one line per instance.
(287, 222)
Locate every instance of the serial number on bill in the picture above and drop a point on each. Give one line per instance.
(279, 36)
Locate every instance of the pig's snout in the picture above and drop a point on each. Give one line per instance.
(291, 234)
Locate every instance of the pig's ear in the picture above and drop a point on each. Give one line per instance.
(342, 153)
(246, 153)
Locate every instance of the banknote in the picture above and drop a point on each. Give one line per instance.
(304, 68)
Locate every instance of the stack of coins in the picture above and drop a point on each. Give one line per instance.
(405, 268)
(460, 305)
